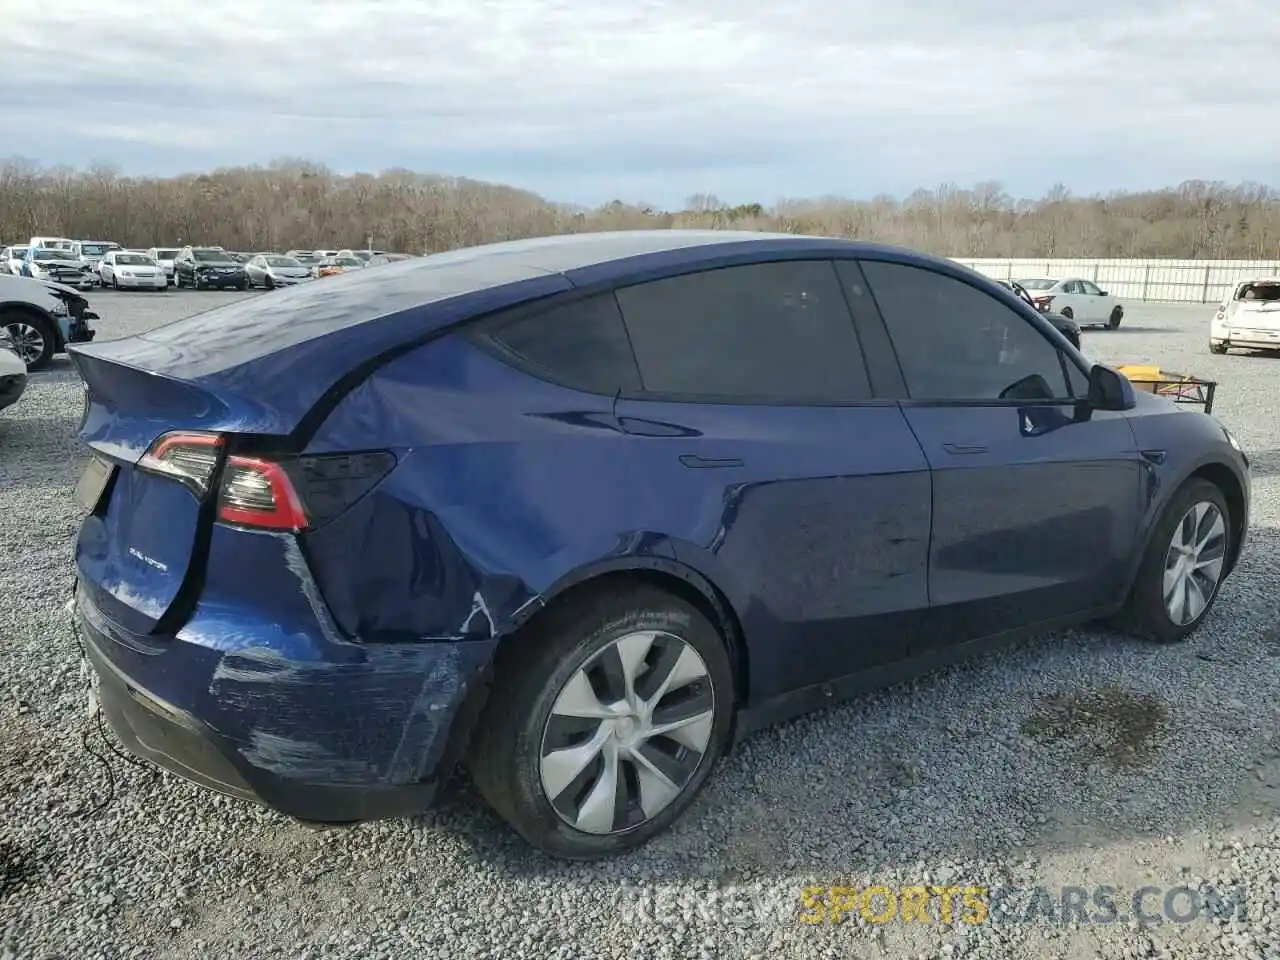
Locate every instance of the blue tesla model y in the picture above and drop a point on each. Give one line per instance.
(577, 512)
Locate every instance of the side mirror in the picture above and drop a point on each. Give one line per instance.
(1102, 293)
(1109, 389)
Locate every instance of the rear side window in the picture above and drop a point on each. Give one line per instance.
(582, 344)
(777, 332)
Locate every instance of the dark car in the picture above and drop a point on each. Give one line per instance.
(1065, 325)
(582, 510)
(206, 268)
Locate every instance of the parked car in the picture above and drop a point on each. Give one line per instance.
(1065, 325)
(275, 270)
(1249, 318)
(13, 372)
(91, 252)
(380, 259)
(332, 266)
(583, 509)
(11, 259)
(123, 270)
(58, 265)
(203, 268)
(1076, 299)
(164, 256)
(51, 243)
(42, 318)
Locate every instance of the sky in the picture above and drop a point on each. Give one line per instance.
(585, 101)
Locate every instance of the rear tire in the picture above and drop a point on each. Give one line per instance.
(574, 654)
(1197, 514)
(1117, 315)
(1068, 313)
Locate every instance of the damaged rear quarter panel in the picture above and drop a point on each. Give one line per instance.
(498, 494)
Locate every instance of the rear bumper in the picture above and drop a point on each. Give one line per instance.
(289, 736)
(1256, 339)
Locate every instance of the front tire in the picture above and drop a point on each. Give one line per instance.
(1113, 321)
(1183, 567)
(605, 719)
(34, 338)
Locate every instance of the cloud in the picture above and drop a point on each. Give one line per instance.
(654, 100)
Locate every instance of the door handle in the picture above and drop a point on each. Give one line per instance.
(695, 462)
(962, 448)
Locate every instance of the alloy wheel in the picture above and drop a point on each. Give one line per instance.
(627, 732)
(28, 341)
(1194, 562)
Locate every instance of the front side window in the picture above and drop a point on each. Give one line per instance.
(956, 342)
(581, 344)
(765, 332)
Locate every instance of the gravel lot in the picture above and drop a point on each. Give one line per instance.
(1075, 760)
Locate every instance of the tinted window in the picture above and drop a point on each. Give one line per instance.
(581, 344)
(955, 342)
(768, 331)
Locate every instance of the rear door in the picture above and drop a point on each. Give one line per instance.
(1036, 499)
(804, 498)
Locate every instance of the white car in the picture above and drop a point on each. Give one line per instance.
(91, 252)
(11, 260)
(41, 318)
(272, 270)
(125, 270)
(165, 257)
(1249, 318)
(1076, 299)
(13, 372)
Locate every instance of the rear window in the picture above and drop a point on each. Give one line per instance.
(96, 249)
(1038, 283)
(256, 327)
(581, 345)
(166, 254)
(1265, 292)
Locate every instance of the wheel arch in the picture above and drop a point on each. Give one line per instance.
(37, 311)
(672, 576)
(1222, 476)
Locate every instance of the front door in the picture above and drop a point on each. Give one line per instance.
(1035, 498)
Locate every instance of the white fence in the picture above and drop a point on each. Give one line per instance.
(1182, 281)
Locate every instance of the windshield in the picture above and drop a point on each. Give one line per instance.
(166, 254)
(134, 260)
(95, 249)
(1259, 292)
(282, 262)
(1037, 284)
(47, 253)
(211, 256)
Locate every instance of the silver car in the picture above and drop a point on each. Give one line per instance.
(273, 270)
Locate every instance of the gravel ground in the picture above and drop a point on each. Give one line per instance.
(1079, 759)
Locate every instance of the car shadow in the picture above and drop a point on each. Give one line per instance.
(1265, 464)
(952, 767)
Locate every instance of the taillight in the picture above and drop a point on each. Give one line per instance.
(189, 458)
(1042, 303)
(258, 493)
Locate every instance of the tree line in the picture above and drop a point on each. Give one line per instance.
(297, 204)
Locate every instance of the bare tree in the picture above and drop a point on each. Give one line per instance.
(292, 202)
